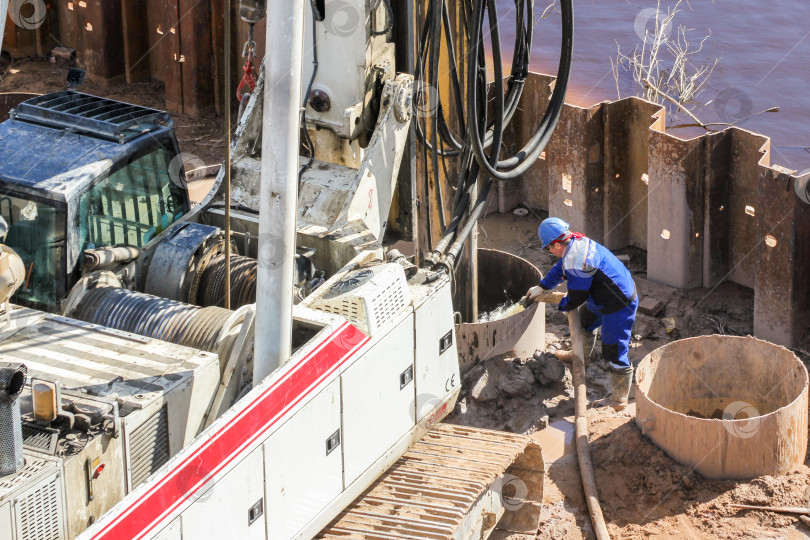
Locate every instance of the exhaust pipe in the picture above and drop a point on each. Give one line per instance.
(12, 381)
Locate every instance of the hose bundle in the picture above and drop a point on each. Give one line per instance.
(477, 146)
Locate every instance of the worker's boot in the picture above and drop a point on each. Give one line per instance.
(620, 381)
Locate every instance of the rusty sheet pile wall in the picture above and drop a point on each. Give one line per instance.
(707, 210)
(179, 42)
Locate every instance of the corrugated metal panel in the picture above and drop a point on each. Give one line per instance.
(29, 28)
(149, 447)
(176, 41)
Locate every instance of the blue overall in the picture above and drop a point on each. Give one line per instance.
(599, 280)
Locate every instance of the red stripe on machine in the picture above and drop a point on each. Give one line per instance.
(226, 444)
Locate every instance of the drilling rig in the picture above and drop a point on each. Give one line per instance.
(249, 367)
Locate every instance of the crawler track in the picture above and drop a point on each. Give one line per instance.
(456, 482)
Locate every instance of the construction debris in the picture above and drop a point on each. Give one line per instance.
(650, 306)
(779, 509)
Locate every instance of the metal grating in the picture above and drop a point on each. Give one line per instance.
(389, 303)
(149, 447)
(39, 438)
(99, 116)
(32, 467)
(38, 513)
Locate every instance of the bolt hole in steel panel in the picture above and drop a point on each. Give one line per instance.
(503, 278)
(731, 407)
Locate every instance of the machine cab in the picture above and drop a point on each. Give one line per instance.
(81, 172)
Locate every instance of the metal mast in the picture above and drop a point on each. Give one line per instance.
(279, 185)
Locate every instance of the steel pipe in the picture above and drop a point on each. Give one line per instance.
(742, 400)
(279, 185)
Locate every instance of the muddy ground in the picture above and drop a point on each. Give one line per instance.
(644, 493)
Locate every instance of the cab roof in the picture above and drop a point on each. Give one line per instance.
(43, 156)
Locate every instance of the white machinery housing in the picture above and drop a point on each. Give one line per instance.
(126, 405)
(306, 441)
(368, 298)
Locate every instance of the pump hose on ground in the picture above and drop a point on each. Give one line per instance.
(581, 427)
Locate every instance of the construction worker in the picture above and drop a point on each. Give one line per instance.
(597, 279)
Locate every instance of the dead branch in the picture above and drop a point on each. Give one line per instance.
(675, 102)
(548, 11)
(664, 66)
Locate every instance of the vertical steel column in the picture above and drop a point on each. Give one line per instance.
(227, 165)
(279, 185)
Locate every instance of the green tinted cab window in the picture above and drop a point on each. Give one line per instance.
(133, 204)
(37, 233)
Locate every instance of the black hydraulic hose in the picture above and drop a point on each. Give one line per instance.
(426, 88)
(456, 219)
(468, 170)
(525, 158)
(475, 214)
(428, 85)
(479, 148)
(497, 83)
(427, 190)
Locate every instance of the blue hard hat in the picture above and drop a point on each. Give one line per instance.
(551, 229)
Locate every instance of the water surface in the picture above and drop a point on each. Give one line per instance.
(764, 51)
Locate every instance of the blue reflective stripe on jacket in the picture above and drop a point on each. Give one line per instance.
(594, 275)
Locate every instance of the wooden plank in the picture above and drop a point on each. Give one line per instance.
(101, 49)
(782, 290)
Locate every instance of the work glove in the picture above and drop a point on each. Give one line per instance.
(534, 294)
(539, 294)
